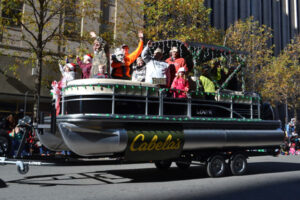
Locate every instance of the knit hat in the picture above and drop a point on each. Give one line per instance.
(181, 69)
(174, 49)
(157, 50)
(87, 56)
(71, 66)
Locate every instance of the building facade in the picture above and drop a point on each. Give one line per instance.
(282, 16)
(17, 86)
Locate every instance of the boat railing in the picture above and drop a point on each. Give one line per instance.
(137, 94)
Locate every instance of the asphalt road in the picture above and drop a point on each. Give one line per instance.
(267, 178)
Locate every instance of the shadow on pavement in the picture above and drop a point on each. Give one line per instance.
(145, 175)
(279, 190)
(2, 184)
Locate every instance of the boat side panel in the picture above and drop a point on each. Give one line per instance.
(52, 141)
(92, 142)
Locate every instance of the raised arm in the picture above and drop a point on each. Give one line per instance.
(134, 55)
(61, 68)
(146, 55)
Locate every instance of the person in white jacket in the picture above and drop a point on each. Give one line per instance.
(68, 74)
(155, 67)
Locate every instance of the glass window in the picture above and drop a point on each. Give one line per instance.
(11, 13)
(72, 21)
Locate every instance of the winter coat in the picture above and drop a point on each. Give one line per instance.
(100, 76)
(177, 62)
(66, 77)
(85, 68)
(139, 73)
(207, 84)
(182, 85)
(122, 70)
(154, 68)
(99, 58)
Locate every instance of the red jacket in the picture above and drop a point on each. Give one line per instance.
(123, 70)
(177, 62)
(182, 85)
(85, 68)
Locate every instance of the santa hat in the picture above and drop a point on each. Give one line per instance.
(71, 66)
(87, 56)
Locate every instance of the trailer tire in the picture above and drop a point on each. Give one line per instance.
(216, 166)
(183, 165)
(238, 164)
(163, 164)
(24, 170)
(5, 144)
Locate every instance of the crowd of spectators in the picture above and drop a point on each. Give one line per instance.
(9, 128)
(291, 144)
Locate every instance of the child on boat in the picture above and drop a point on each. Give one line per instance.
(85, 65)
(68, 74)
(180, 84)
(101, 72)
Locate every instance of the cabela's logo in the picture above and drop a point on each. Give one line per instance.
(139, 144)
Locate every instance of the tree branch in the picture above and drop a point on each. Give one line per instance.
(30, 44)
(27, 29)
(49, 38)
(35, 11)
(55, 12)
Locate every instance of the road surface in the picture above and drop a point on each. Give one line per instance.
(267, 178)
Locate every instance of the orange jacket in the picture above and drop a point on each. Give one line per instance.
(118, 70)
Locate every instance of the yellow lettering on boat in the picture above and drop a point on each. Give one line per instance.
(134, 140)
(143, 147)
(167, 141)
(152, 144)
(158, 146)
(139, 143)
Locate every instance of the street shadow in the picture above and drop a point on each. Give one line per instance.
(144, 175)
(2, 184)
(271, 167)
(279, 190)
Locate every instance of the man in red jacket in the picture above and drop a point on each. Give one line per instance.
(176, 60)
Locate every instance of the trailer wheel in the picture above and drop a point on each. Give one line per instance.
(163, 164)
(216, 166)
(23, 170)
(5, 144)
(238, 164)
(183, 165)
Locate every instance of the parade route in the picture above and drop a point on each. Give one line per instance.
(267, 178)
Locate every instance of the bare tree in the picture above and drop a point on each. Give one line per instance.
(45, 22)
